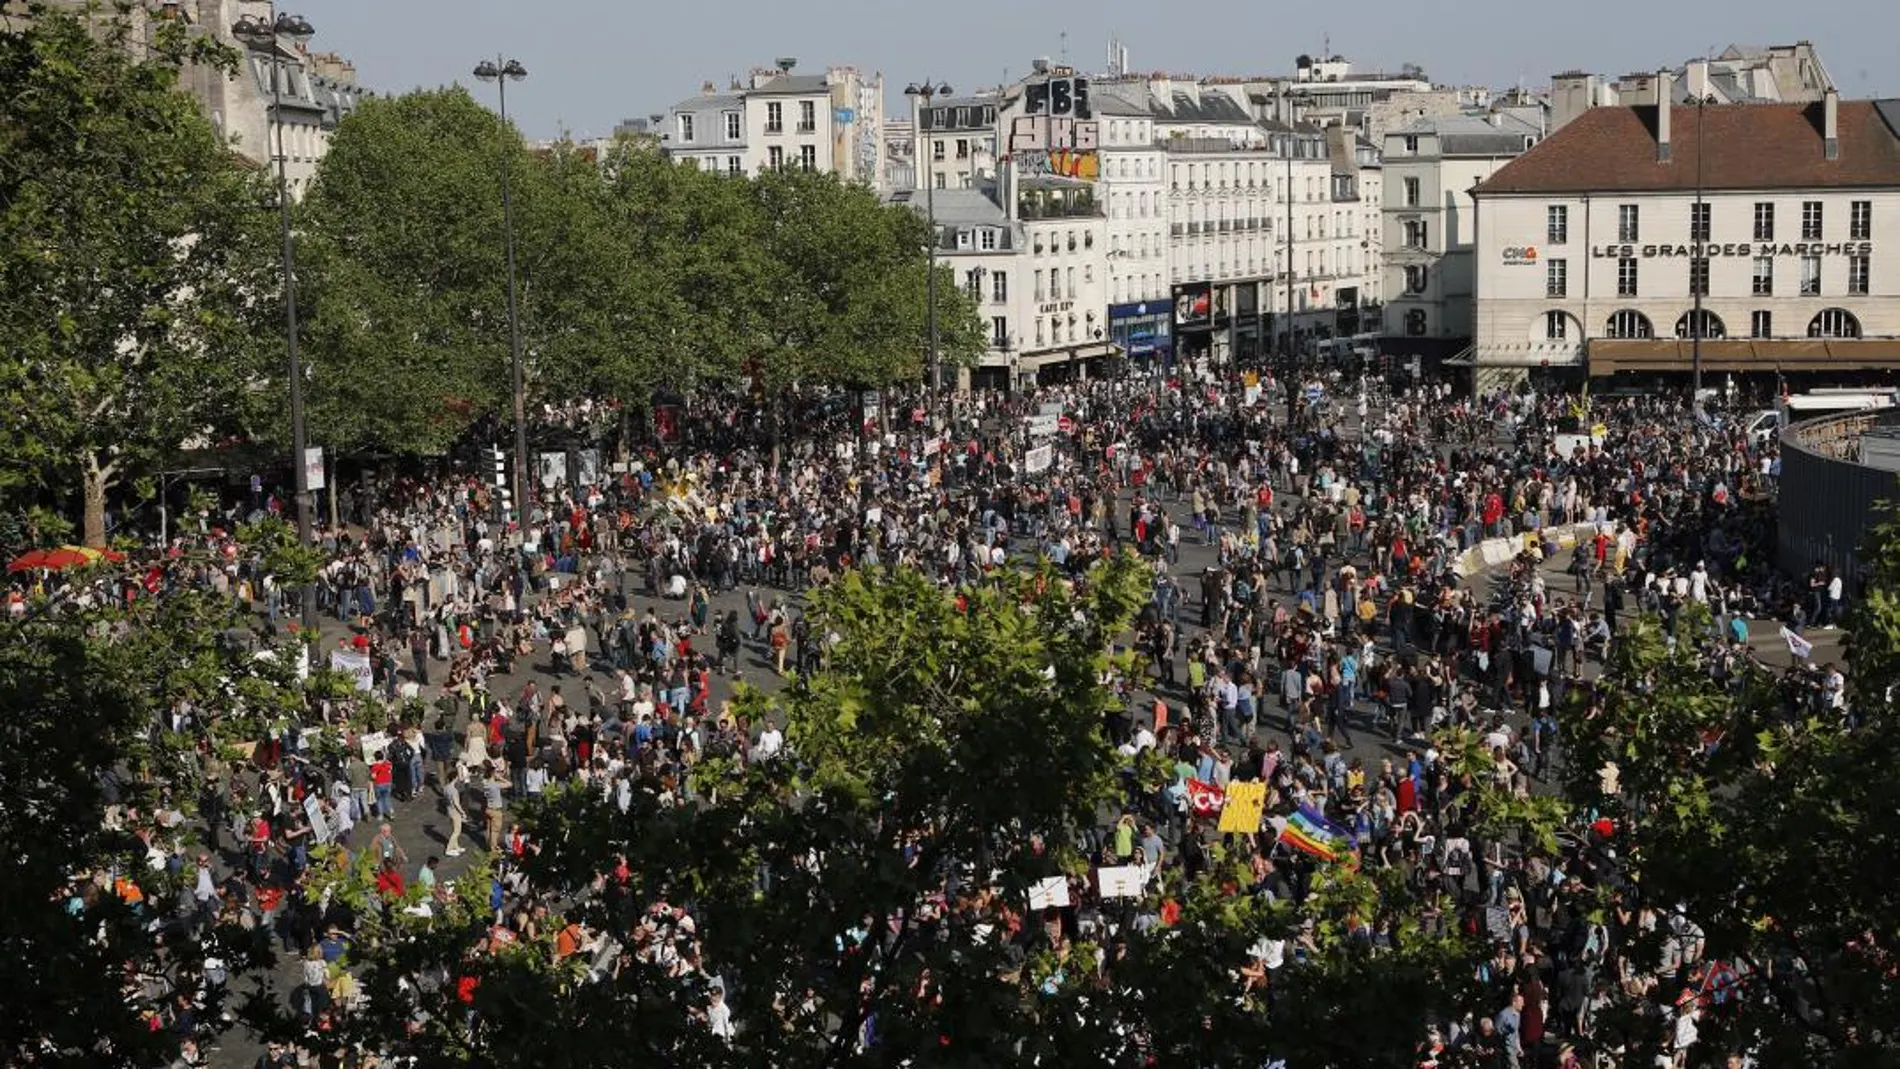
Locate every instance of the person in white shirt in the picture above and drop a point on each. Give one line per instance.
(1831, 612)
(771, 741)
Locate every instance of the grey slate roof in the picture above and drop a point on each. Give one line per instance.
(705, 101)
(792, 85)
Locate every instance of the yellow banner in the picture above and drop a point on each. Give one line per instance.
(1246, 804)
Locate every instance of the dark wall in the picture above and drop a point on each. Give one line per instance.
(1828, 501)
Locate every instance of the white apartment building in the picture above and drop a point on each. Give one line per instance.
(956, 140)
(1431, 167)
(1770, 233)
(1066, 323)
(816, 122)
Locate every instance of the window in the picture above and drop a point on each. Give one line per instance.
(733, 167)
(1711, 325)
(1626, 276)
(1628, 323)
(1414, 233)
(1556, 326)
(1764, 276)
(999, 332)
(807, 116)
(1039, 290)
(775, 158)
(1039, 322)
(963, 148)
(732, 126)
(1761, 324)
(1699, 221)
(942, 181)
(936, 150)
(1699, 276)
(774, 118)
(1556, 278)
(686, 128)
(1416, 277)
(1764, 220)
(1410, 197)
(808, 157)
(1834, 323)
(1810, 276)
(973, 283)
(988, 241)
(1068, 281)
(1411, 144)
(1810, 220)
(1628, 218)
(1857, 270)
(1557, 224)
(999, 285)
(1860, 221)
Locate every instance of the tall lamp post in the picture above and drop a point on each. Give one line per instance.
(924, 93)
(255, 33)
(502, 71)
(1700, 237)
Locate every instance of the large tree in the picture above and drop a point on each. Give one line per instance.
(123, 223)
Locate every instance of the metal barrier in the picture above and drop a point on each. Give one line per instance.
(1828, 500)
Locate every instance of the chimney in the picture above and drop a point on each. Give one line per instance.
(1831, 123)
(1665, 100)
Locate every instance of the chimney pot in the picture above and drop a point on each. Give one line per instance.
(1665, 98)
(1831, 123)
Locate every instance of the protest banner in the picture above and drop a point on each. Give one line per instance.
(373, 743)
(1038, 459)
(354, 663)
(1246, 804)
(319, 824)
(1121, 881)
(1050, 893)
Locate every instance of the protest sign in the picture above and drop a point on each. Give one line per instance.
(1121, 881)
(1246, 804)
(1051, 893)
(355, 663)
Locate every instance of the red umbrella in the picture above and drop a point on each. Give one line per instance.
(26, 562)
(70, 557)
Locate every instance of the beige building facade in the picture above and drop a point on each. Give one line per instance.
(1601, 250)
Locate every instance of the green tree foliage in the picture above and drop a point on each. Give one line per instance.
(87, 759)
(401, 272)
(124, 222)
(1768, 822)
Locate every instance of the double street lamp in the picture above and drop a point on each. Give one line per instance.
(501, 71)
(926, 92)
(256, 33)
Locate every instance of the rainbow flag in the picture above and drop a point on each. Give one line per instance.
(1308, 831)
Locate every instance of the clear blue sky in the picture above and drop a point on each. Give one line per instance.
(594, 62)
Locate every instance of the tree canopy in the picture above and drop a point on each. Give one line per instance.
(124, 223)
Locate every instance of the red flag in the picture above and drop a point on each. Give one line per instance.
(1204, 798)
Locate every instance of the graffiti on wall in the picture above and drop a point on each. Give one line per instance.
(1062, 163)
(868, 131)
(1066, 148)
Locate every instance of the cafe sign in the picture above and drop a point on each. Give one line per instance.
(1520, 256)
(1712, 250)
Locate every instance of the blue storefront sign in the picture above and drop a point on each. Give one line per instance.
(1141, 328)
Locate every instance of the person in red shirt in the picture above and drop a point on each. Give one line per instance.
(389, 880)
(382, 778)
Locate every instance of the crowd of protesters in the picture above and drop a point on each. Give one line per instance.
(1330, 598)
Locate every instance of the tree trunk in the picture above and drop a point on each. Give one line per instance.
(776, 418)
(96, 479)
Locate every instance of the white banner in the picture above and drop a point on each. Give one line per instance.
(356, 663)
(313, 467)
(1038, 459)
(1043, 426)
(320, 828)
(1049, 408)
(1121, 881)
(1051, 893)
(372, 743)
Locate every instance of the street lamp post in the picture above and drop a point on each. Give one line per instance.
(1700, 240)
(502, 71)
(256, 33)
(926, 92)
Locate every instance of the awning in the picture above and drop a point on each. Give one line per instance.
(1611, 355)
(1091, 351)
(1529, 356)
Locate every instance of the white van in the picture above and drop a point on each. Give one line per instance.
(1767, 424)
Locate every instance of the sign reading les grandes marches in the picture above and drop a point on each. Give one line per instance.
(1741, 248)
